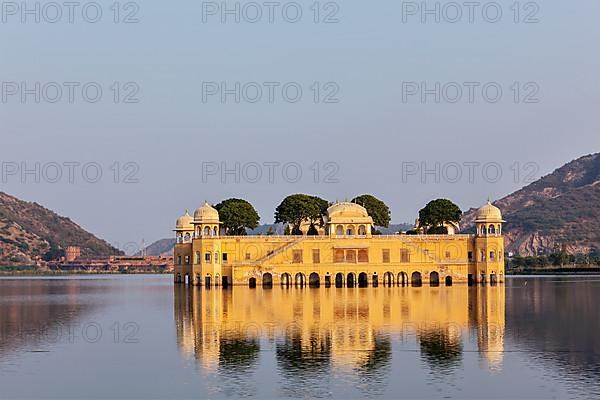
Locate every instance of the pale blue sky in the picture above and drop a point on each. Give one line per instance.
(368, 134)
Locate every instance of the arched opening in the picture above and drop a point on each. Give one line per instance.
(403, 279)
(434, 279)
(198, 280)
(448, 281)
(207, 231)
(286, 280)
(187, 279)
(363, 280)
(225, 282)
(339, 230)
(493, 279)
(186, 237)
(313, 280)
(178, 278)
(300, 279)
(350, 230)
(351, 280)
(215, 231)
(362, 230)
(267, 280)
(217, 280)
(415, 279)
(252, 283)
(492, 230)
(339, 280)
(375, 280)
(207, 281)
(388, 279)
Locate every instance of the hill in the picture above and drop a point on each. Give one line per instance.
(29, 231)
(560, 211)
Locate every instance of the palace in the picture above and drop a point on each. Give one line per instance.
(345, 254)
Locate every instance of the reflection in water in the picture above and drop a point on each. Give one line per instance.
(38, 313)
(320, 333)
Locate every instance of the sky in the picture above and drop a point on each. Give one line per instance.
(123, 115)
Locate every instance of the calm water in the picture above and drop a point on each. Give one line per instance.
(141, 337)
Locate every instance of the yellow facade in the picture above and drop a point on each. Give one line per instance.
(345, 254)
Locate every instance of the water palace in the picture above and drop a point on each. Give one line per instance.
(346, 253)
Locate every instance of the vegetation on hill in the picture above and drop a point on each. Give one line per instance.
(560, 210)
(29, 231)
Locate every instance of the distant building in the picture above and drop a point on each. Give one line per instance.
(346, 254)
(72, 253)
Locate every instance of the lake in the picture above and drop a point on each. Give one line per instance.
(143, 337)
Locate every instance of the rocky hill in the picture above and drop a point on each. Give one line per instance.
(559, 211)
(29, 231)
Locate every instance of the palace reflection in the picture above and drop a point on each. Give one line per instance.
(314, 332)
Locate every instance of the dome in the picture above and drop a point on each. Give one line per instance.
(346, 209)
(184, 222)
(488, 213)
(206, 214)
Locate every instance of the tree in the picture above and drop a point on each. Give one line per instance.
(298, 208)
(237, 215)
(437, 213)
(376, 208)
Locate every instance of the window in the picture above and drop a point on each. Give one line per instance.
(350, 256)
(217, 257)
(187, 259)
(297, 256)
(197, 257)
(363, 255)
(448, 255)
(492, 256)
(316, 255)
(482, 255)
(404, 256)
(247, 256)
(224, 257)
(179, 260)
(385, 255)
(338, 256)
(470, 255)
(207, 257)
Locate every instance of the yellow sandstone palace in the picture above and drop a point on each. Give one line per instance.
(346, 253)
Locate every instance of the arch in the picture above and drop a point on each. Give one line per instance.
(402, 279)
(313, 280)
(363, 280)
(215, 231)
(186, 279)
(207, 281)
(448, 280)
(207, 231)
(416, 279)
(388, 279)
(499, 229)
(362, 230)
(217, 257)
(198, 257)
(434, 278)
(375, 280)
(492, 230)
(178, 278)
(350, 230)
(187, 237)
(267, 280)
(493, 279)
(286, 279)
(351, 280)
(339, 230)
(339, 280)
(198, 280)
(300, 279)
(252, 283)
(217, 280)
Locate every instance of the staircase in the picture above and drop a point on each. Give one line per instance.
(280, 250)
